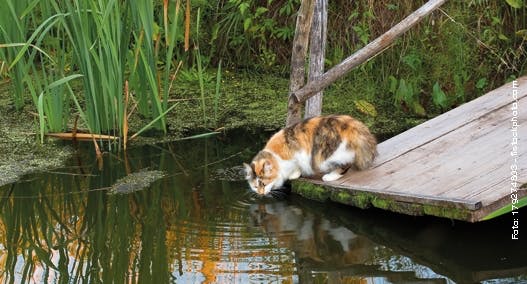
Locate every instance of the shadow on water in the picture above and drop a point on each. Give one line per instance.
(200, 224)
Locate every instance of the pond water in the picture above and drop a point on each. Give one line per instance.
(200, 224)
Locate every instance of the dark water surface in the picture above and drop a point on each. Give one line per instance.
(200, 224)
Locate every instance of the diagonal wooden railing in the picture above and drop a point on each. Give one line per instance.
(299, 93)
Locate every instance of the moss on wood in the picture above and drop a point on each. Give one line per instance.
(448, 212)
(357, 199)
(398, 206)
(310, 190)
(364, 200)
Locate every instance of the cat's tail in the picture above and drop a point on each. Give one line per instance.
(365, 147)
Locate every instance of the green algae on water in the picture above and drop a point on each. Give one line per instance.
(135, 181)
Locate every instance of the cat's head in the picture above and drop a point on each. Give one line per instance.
(263, 173)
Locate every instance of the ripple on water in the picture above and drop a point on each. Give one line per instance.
(230, 246)
(242, 266)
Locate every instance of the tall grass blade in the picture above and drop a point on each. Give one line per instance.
(187, 25)
(217, 93)
(41, 117)
(17, 59)
(152, 122)
(125, 115)
(145, 73)
(13, 29)
(200, 74)
(197, 136)
(64, 80)
(45, 25)
(46, 110)
(172, 32)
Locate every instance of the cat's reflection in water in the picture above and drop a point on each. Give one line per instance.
(311, 236)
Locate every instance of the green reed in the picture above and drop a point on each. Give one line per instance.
(144, 73)
(199, 63)
(96, 32)
(172, 32)
(13, 30)
(217, 94)
(32, 69)
(110, 42)
(104, 43)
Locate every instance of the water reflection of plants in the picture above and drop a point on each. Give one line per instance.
(196, 224)
(66, 226)
(76, 237)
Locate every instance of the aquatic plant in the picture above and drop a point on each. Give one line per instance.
(106, 43)
(445, 61)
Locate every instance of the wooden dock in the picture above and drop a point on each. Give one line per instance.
(457, 165)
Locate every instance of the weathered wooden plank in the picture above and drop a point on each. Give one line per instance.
(423, 162)
(441, 166)
(425, 172)
(484, 160)
(497, 189)
(447, 122)
(424, 175)
(433, 164)
(364, 199)
(456, 165)
(504, 201)
(494, 190)
(488, 180)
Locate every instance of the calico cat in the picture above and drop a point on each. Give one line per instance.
(323, 145)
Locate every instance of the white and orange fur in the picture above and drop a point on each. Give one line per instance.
(323, 145)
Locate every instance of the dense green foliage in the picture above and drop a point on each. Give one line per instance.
(454, 55)
(107, 43)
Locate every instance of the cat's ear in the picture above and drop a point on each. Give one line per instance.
(268, 168)
(248, 171)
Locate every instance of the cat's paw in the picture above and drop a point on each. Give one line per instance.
(331, 176)
(296, 174)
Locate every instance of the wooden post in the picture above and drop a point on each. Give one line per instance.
(373, 48)
(317, 50)
(298, 58)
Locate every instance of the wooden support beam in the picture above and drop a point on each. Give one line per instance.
(298, 58)
(298, 96)
(317, 50)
